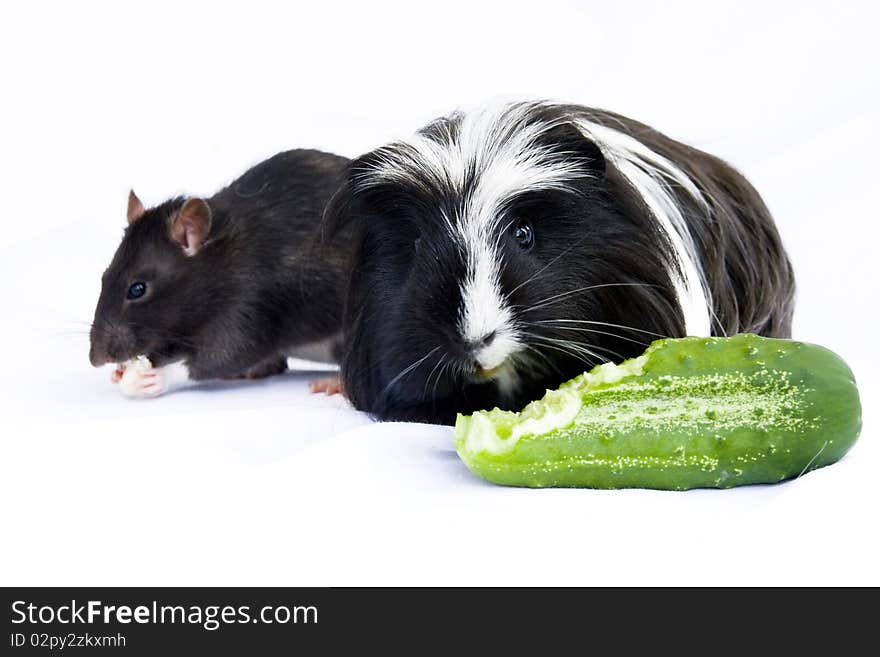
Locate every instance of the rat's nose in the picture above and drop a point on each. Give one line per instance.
(98, 356)
(102, 350)
(108, 343)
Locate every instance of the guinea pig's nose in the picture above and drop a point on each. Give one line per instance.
(473, 346)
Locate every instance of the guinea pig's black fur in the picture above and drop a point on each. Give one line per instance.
(233, 283)
(500, 253)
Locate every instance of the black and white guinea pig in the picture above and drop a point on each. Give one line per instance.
(228, 286)
(499, 253)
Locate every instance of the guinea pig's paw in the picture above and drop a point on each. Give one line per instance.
(330, 386)
(143, 383)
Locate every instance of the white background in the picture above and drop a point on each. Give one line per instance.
(260, 483)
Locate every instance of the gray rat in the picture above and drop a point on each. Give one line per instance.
(227, 286)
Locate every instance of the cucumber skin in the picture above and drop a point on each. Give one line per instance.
(811, 416)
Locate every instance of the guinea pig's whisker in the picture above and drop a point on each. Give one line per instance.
(592, 330)
(585, 350)
(543, 357)
(537, 274)
(407, 370)
(575, 349)
(568, 352)
(718, 320)
(562, 295)
(641, 343)
(606, 350)
(597, 323)
(431, 373)
(439, 376)
(504, 230)
(586, 347)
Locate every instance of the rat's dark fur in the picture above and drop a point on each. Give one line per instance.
(260, 286)
(596, 285)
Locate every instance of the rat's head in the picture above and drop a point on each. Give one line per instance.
(150, 298)
(499, 254)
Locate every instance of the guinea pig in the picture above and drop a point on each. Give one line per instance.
(499, 253)
(227, 286)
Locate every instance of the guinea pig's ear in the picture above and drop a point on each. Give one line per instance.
(135, 207)
(344, 205)
(568, 138)
(336, 210)
(189, 226)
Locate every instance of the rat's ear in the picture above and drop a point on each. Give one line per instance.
(135, 207)
(189, 226)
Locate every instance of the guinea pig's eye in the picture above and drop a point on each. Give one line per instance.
(524, 234)
(136, 291)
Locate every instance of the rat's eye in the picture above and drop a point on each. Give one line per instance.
(136, 291)
(524, 234)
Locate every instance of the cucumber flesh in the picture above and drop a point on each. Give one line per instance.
(688, 413)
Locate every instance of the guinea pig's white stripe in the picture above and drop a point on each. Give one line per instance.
(497, 146)
(483, 309)
(507, 176)
(487, 160)
(649, 172)
(632, 149)
(501, 151)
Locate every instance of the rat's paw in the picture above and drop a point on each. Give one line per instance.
(260, 371)
(142, 380)
(150, 383)
(267, 369)
(118, 373)
(330, 386)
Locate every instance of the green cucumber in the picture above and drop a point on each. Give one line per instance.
(688, 413)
